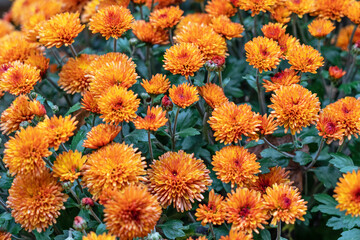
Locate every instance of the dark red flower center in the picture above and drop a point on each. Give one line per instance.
(286, 202)
(244, 211)
(330, 128)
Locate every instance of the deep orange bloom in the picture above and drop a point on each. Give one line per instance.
(60, 30)
(236, 235)
(255, 6)
(225, 27)
(268, 126)
(154, 119)
(276, 175)
(36, 200)
(304, 58)
(5, 28)
(287, 42)
(199, 18)
(5, 235)
(245, 210)
(284, 78)
(212, 212)
(301, 7)
(184, 59)
(165, 18)
(113, 167)
(216, 8)
(89, 103)
(158, 84)
(333, 9)
(344, 37)
(178, 178)
(147, 33)
(104, 236)
(295, 107)
(281, 13)
(112, 21)
(67, 165)
(183, 95)
(329, 127)
(352, 11)
(132, 213)
(336, 73)
(90, 9)
(347, 193)
(320, 27)
(263, 53)
(236, 165)
(24, 153)
(213, 95)
(38, 60)
(273, 30)
(284, 203)
(101, 135)
(230, 122)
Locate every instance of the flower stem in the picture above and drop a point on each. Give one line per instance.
(173, 139)
(171, 38)
(58, 60)
(95, 216)
(147, 59)
(352, 37)
(212, 230)
(141, 13)
(75, 196)
(220, 79)
(293, 22)
(317, 155)
(73, 51)
(191, 217)
(278, 232)
(63, 146)
(275, 148)
(115, 41)
(2, 203)
(150, 147)
(78, 182)
(261, 97)
(254, 27)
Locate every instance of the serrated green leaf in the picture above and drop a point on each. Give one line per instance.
(342, 161)
(77, 141)
(173, 229)
(302, 158)
(265, 234)
(325, 199)
(101, 229)
(352, 234)
(45, 235)
(5, 181)
(5, 216)
(328, 175)
(188, 132)
(73, 108)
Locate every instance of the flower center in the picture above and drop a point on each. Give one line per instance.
(330, 128)
(244, 211)
(286, 202)
(357, 195)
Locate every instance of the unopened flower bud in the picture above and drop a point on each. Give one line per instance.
(216, 64)
(67, 185)
(167, 103)
(79, 223)
(87, 202)
(133, 41)
(24, 124)
(33, 95)
(55, 108)
(154, 236)
(356, 48)
(335, 74)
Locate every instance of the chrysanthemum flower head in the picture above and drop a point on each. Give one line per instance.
(284, 203)
(67, 165)
(213, 95)
(352, 11)
(255, 6)
(184, 59)
(104, 236)
(118, 105)
(225, 27)
(24, 153)
(132, 213)
(245, 210)
(89, 103)
(344, 36)
(166, 18)
(38, 60)
(5, 235)
(329, 127)
(284, 78)
(263, 53)
(267, 127)
(230, 122)
(107, 3)
(301, 7)
(178, 178)
(304, 58)
(158, 84)
(287, 42)
(333, 9)
(212, 212)
(147, 33)
(89, 10)
(60, 30)
(101, 135)
(216, 8)
(113, 167)
(320, 27)
(281, 13)
(295, 107)
(273, 30)
(276, 175)
(5, 27)
(112, 21)
(36, 200)
(154, 119)
(199, 18)
(236, 235)
(183, 95)
(336, 73)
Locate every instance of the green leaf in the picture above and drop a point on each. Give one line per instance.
(341, 161)
(76, 235)
(188, 132)
(286, 147)
(74, 108)
(302, 158)
(325, 199)
(250, 79)
(352, 234)
(101, 229)
(43, 235)
(265, 234)
(173, 229)
(254, 143)
(77, 141)
(328, 175)
(343, 222)
(5, 181)
(328, 205)
(5, 216)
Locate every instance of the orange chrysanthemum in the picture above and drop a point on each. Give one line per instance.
(320, 27)
(132, 213)
(19, 78)
(184, 59)
(147, 33)
(5, 28)
(73, 76)
(58, 129)
(89, 103)
(183, 95)
(24, 153)
(333, 9)
(101, 135)
(213, 95)
(276, 175)
(255, 6)
(336, 73)
(209, 42)
(263, 53)
(106, 3)
(21, 109)
(178, 178)
(273, 30)
(216, 8)
(36, 200)
(295, 107)
(329, 127)
(287, 42)
(5, 235)
(230, 122)
(245, 210)
(267, 127)
(352, 11)
(90, 9)
(38, 60)
(158, 84)
(199, 18)
(284, 78)
(236, 165)
(304, 58)
(154, 119)
(347, 193)
(118, 105)
(301, 7)
(236, 235)
(345, 35)
(166, 17)
(212, 212)
(67, 165)
(281, 13)
(104, 236)
(60, 30)
(113, 167)
(225, 27)
(284, 203)
(112, 21)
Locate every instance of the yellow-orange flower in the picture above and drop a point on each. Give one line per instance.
(38, 60)
(255, 6)
(158, 84)
(166, 17)
(154, 119)
(112, 21)
(295, 107)
(284, 78)
(352, 11)
(89, 103)
(5, 28)
(213, 95)
(90, 9)
(60, 30)
(301, 7)
(147, 33)
(216, 8)
(276, 175)
(304, 58)
(287, 42)
(178, 178)
(230, 122)
(344, 36)
(329, 127)
(263, 53)
(236, 165)
(19, 78)
(199, 18)
(5, 235)
(113, 167)
(101, 135)
(236, 235)
(73, 77)
(333, 9)
(281, 13)
(36, 200)
(268, 126)
(104, 236)
(24, 153)
(273, 30)
(58, 129)
(212, 212)
(67, 165)
(284, 203)
(184, 59)
(132, 213)
(183, 95)
(347, 193)
(225, 27)
(320, 27)
(118, 105)
(245, 210)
